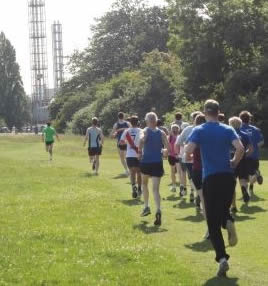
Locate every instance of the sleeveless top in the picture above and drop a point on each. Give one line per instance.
(120, 126)
(172, 140)
(152, 151)
(94, 137)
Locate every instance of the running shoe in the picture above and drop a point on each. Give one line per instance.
(246, 197)
(223, 269)
(192, 197)
(232, 236)
(259, 177)
(146, 211)
(158, 219)
(134, 192)
(182, 191)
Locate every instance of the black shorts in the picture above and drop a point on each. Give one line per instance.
(122, 147)
(173, 160)
(241, 171)
(95, 151)
(49, 143)
(152, 169)
(197, 179)
(252, 166)
(187, 167)
(133, 162)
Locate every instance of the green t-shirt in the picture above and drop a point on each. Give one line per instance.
(49, 133)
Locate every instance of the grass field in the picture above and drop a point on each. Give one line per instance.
(61, 226)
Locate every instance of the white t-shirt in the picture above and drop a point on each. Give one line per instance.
(135, 134)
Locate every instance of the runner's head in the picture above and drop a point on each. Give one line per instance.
(151, 119)
(159, 123)
(212, 109)
(235, 122)
(200, 119)
(195, 114)
(175, 129)
(121, 115)
(95, 121)
(134, 121)
(221, 117)
(178, 116)
(245, 116)
(49, 124)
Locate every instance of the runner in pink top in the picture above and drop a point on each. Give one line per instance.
(173, 155)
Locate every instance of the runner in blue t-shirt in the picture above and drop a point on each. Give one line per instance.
(241, 170)
(118, 129)
(215, 141)
(257, 141)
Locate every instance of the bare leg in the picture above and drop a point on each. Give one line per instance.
(157, 198)
(50, 150)
(145, 180)
(97, 163)
(173, 175)
(138, 176)
(122, 155)
(132, 176)
(200, 193)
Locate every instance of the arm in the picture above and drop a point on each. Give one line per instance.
(114, 131)
(250, 150)
(101, 137)
(123, 138)
(189, 149)
(239, 152)
(141, 143)
(86, 138)
(165, 141)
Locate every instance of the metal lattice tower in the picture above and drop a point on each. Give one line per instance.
(58, 65)
(38, 52)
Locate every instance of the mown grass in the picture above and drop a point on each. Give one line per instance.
(59, 225)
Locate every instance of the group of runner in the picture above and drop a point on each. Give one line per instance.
(209, 152)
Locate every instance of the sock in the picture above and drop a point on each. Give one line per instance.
(223, 260)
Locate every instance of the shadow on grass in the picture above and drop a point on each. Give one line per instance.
(183, 204)
(193, 218)
(216, 281)
(243, 217)
(172, 198)
(132, 202)
(121, 176)
(255, 198)
(87, 175)
(247, 209)
(201, 246)
(143, 226)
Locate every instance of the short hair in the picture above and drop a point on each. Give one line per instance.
(134, 120)
(95, 121)
(178, 116)
(48, 124)
(221, 117)
(200, 119)
(151, 116)
(212, 107)
(235, 122)
(175, 126)
(159, 122)
(121, 115)
(195, 114)
(245, 116)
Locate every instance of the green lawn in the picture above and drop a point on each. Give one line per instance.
(61, 226)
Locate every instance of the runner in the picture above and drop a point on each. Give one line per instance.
(186, 165)
(131, 136)
(95, 140)
(241, 170)
(48, 135)
(173, 155)
(119, 127)
(162, 127)
(221, 117)
(215, 141)
(150, 152)
(257, 141)
(197, 172)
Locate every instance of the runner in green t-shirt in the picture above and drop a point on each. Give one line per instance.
(48, 135)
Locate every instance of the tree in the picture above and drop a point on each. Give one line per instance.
(13, 101)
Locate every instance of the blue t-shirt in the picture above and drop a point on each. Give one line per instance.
(255, 136)
(215, 142)
(244, 138)
(152, 151)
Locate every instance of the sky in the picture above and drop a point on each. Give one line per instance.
(76, 17)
